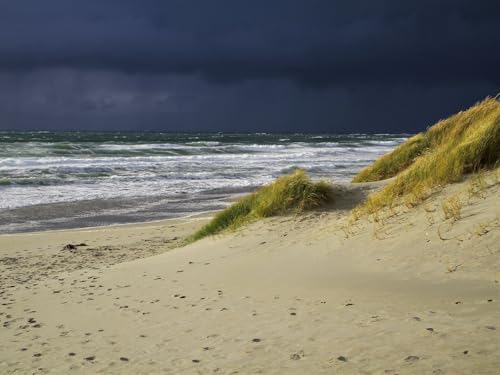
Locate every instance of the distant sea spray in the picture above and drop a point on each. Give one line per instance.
(80, 178)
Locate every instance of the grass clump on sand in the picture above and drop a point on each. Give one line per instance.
(463, 143)
(452, 207)
(292, 193)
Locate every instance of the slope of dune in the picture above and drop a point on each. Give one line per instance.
(466, 142)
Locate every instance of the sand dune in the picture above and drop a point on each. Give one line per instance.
(417, 294)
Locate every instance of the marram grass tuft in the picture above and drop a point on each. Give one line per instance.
(291, 193)
(463, 143)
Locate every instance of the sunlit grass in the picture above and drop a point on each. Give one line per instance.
(394, 162)
(463, 143)
(452, 207)
(292, 193)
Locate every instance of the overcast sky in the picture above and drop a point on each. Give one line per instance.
(244, 65)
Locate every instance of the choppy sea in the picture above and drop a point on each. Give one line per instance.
(56, 180)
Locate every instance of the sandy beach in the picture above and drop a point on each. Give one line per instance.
(416, 294)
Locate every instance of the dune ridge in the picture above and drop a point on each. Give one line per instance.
(466, 142)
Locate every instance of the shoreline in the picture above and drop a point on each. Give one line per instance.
(354, 188)
(71, 215)
(198, 216)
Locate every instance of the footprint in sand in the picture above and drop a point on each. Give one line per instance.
(412, 358)
(296, 356)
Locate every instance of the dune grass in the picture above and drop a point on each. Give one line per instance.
(464, 143)
(396, 161)
(292, 193)
(452, 207)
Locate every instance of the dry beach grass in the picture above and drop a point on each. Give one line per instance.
(466, 142)
(294, 193)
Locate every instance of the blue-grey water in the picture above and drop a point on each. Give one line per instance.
(54, 180)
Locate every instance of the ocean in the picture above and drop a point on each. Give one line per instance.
(59, 180)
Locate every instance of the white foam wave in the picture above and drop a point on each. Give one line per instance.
(211, 165)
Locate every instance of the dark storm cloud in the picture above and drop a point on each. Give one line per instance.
(308, 42)
(67, 99)
(238, 65)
